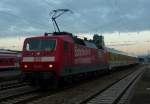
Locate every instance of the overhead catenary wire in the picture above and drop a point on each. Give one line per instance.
(55, 14)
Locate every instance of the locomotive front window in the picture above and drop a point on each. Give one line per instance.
(48, 45)
(33, 45)
(40, 45)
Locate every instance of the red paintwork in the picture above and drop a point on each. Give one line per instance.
(57, 65)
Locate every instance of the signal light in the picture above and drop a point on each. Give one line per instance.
(50, 66)
(25, 66)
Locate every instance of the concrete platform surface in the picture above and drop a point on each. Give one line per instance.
(141, 93)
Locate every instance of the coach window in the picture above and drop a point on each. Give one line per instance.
(66, 46)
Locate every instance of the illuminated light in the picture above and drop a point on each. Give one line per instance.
(50, 66)
(25, 66)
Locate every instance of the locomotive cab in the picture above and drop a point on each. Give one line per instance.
(45, 56)
(39, 54)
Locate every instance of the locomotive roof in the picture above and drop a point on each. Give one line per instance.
(56, 35)
(68, 37)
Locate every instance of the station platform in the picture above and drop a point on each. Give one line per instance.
(141, 92)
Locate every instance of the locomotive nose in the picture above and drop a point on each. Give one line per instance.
(45, 63)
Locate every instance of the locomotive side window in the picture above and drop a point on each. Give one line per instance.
(48, 45)
(33, 45)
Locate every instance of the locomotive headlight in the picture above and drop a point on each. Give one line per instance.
(50, 66)
(25, 66)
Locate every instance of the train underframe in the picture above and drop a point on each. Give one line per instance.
(50, 79)
(41, 79)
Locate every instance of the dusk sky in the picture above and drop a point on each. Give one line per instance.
(123, 23)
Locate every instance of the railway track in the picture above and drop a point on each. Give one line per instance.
(84, 93)
(10, 84)
(117, 93)
(80, 94)
(29, 95)
(25, 93)
(15, 92)
(14, 88)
